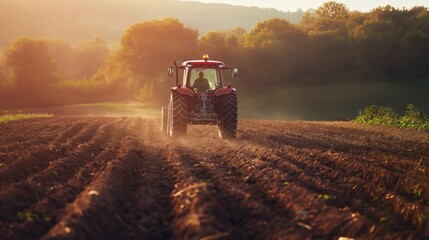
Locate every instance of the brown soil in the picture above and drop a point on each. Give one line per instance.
(120, 178)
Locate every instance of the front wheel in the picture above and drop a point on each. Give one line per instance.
(228, 116)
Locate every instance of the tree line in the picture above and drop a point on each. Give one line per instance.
(330, 45)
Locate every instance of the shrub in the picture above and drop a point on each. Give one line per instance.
(377, 115)
(414, 118)
(146, 93)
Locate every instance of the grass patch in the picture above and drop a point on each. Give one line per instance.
(98, 109)
(13, 117)
(104, 109)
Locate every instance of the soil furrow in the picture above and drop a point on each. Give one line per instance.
(147, 211)
(60, 170)
(17, 131)
(256, 169)
(198, 206)
(11, 150)
(37, 160)
(345, 191)
(371, 144)
(95, 213)
(44, 214)
(252, 213)
(50, 207)
(400, 198)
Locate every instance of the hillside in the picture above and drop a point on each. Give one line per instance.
(76, 20)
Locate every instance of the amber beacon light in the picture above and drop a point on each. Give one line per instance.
(206, 57)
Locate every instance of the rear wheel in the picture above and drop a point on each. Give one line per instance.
(177, 115)
(228, 116)
(164, 117)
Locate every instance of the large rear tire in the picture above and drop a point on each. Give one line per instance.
(177, 115)
(228, 116)
(164, 118)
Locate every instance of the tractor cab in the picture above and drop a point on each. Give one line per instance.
(212, 71)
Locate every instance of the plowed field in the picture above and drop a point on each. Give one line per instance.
(120, 178)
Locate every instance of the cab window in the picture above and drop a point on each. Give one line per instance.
(211, 74)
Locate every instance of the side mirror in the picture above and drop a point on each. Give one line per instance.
(234, 72)
(170, 71)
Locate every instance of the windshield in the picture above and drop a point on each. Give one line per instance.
(200, 76)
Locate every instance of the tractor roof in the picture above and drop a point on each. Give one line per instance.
(202, 63)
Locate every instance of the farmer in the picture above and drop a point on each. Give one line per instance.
(201, 83)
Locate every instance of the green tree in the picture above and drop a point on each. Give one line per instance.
(79, 62)
(329, 16)
(64, 56)
(391, 45)
(329, 52)
(149, 46)
(412, 57)
(213, 42)
(146, 50)
(278, 49)
(3, 78)
(274, 32)
(330, 58)
(32, 73)
(225, 45)
(117, 76)
(90, 56)
(333, 10)
(31, 65)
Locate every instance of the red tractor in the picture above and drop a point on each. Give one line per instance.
(201, 98)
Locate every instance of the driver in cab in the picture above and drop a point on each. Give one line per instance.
(201, 84)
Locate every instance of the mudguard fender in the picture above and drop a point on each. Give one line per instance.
(184, 91)
(224, 91)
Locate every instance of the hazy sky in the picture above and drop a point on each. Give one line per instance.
(293, 5)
